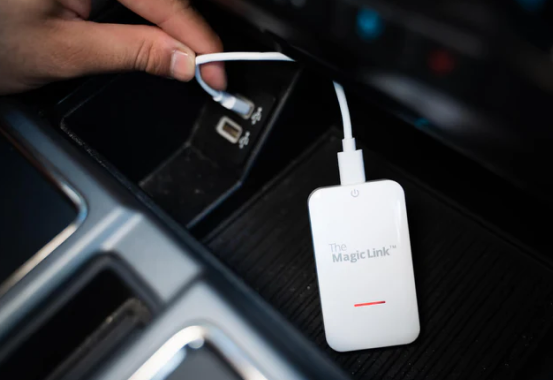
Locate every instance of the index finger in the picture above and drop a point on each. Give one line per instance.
(178, 19)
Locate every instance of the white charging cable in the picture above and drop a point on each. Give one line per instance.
(350, 161)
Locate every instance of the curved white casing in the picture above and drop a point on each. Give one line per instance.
(363, 257)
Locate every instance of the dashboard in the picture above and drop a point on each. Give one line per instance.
(477, 75)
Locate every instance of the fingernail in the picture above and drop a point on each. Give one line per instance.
(182, 66)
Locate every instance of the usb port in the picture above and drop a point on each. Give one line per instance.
(229, 129)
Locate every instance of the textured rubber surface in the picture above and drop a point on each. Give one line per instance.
(484, 303)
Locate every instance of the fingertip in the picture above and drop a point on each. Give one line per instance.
(182, 65)
(214, 74)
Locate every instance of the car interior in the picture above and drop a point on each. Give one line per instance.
(148, 233)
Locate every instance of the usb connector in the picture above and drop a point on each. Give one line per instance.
(350, 160)
(350, 163)
(242, 107)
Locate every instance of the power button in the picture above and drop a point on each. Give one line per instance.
(355, 193)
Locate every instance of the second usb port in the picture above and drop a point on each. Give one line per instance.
(229, 129)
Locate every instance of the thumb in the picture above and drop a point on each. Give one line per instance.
(83, 47)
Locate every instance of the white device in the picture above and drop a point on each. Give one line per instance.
(360, 236)
(364, 265)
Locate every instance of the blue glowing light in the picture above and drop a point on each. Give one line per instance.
(532, 5)
(421, 123)
(369, 24)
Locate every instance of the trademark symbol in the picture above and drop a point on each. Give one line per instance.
(392, 246)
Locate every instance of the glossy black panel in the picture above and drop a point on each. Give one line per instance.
(33, 210)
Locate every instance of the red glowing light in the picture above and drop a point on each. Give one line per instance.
(441, 62)
(369, 303)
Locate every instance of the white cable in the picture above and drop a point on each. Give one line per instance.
(242, 56)
(342, 101)
(227, 100)
(350, 161)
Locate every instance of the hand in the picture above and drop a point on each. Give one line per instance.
(46, 40)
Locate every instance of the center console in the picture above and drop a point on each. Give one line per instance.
(148, 233)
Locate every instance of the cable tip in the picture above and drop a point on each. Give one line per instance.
(351, 167)
(235, 104)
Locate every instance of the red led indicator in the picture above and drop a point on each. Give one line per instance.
(369, 303)
(441, 62)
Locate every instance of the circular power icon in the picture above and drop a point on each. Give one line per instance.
(355, 193)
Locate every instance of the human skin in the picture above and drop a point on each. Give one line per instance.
(42, 41)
